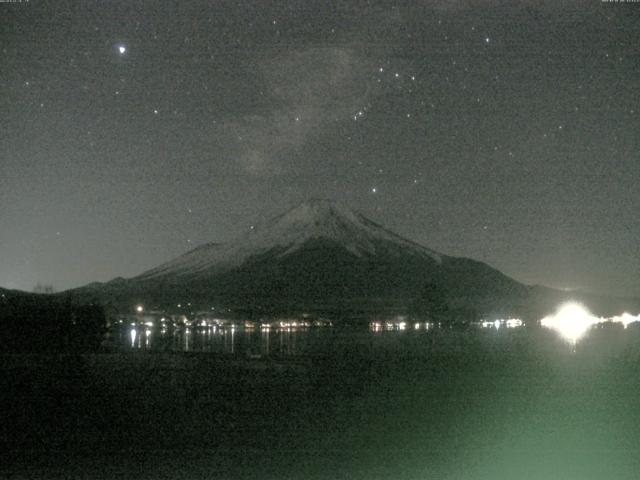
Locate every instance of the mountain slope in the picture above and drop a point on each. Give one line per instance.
(323, 257)
(288, 233)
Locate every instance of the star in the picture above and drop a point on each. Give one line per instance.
(122, 49)
(374, 190)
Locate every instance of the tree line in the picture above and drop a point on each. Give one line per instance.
(49, 324)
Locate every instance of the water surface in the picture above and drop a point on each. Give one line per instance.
(406, 404)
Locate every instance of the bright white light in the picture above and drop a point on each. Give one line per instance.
(133, 334)
(572, 321)
(139, 309)
(514, 323)
(625, 319)
(122, 49)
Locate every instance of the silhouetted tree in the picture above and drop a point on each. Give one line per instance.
(33, 323)
(40, 288)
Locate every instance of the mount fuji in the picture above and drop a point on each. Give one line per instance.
(319, 257)
(289, 233)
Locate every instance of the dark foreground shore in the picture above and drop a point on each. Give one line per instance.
(484, 408)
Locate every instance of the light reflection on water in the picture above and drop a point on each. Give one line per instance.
(263, 342)
(222, 339)
(251, 342)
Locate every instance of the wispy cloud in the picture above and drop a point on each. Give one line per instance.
(305, 91)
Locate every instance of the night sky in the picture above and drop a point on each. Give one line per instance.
(133, 131)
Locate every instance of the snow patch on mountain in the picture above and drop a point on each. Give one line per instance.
(286, 233)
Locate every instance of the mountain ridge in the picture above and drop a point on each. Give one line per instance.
(323, 257)
(317, 218)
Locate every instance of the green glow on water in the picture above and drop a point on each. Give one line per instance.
(483, 404)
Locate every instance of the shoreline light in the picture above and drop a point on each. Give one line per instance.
(572, 321)
(626, 319)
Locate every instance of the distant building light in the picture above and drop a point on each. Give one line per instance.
(514, 323)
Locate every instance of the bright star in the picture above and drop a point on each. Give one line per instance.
(122, 49)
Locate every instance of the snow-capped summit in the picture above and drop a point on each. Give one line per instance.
(320, 257)
(324, 258)
(317, 219)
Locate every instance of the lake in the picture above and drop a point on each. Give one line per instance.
(326, 403)
(278, 338)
